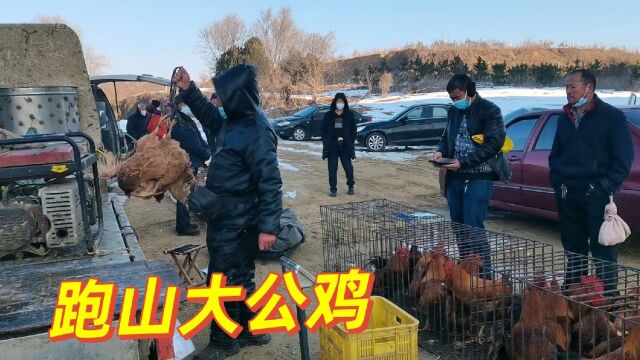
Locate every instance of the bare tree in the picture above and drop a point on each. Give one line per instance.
(318, 50)
(96, 63)
(220, 36)
(278, 34)
(369, 76)
(386, 81)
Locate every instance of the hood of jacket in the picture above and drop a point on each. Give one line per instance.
(238, 92)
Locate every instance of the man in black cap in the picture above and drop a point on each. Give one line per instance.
(186, 132)
(244, 178)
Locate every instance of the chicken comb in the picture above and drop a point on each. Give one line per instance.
(402, 250)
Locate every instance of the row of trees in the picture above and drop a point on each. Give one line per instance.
(288, 59)
(545, 74)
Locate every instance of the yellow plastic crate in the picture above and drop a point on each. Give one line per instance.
(392, 335)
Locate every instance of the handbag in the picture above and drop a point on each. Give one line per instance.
(204, 203)
(613, 230)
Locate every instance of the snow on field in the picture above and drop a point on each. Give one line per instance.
(393, 154)
(507, 98)
(287, 167)
(357, 93)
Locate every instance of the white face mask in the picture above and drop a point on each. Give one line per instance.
(143, 112)
(339, 106)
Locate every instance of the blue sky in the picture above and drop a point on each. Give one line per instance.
(154, 36)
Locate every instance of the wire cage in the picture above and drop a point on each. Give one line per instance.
(347, 229)
(473, 290)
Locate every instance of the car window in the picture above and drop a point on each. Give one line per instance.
(415, 114)
(633, 116)
(320, 114)
(520, 131)
(545, 140)
(439, 112)
(305, 112)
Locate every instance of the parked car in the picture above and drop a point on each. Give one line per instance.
(530, 191)
(307, 123)
(421, 124)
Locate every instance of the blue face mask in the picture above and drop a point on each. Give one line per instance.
(462, 104)
(582, 102)
(221, 110)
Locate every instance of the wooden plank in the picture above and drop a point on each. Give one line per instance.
(28, 300)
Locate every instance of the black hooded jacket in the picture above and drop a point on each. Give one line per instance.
(137, 125)
(244, 165)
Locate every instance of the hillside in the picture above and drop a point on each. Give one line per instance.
(529, 54)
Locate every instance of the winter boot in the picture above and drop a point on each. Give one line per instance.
(218, 353)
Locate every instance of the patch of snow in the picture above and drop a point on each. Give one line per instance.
(357, 93)
(290, 194)
(287, 167)
(299, 151)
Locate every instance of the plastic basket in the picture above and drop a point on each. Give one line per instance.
(392, 334)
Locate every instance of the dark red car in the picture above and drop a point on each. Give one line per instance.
(530, 191)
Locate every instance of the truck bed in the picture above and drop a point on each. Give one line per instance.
(28, 288)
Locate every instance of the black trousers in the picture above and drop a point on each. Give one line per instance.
(340, 152)
(183, 217)
(581, 213)
(232, 251)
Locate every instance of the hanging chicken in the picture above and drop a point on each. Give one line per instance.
(158, 165)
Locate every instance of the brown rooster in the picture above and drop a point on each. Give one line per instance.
(156, 167)
(394, 274)
(629, 351)
(555, 309)
(470, 287)
(532, 338)
(591, 326)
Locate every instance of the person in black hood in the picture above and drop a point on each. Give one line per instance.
(475, 165)
(137, 122)
(186, 132)
(338, 142)
(245, 177)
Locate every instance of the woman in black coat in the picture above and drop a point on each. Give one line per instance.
(338, 140)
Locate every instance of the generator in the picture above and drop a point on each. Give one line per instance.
(50, 194)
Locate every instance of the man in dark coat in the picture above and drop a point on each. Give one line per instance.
(245, 177)
(469, 179)
(186, 132)
(590, 158)
(137, 122)
(338, 142)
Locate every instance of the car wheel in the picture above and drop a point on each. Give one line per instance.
(299, 134)
(376, 142)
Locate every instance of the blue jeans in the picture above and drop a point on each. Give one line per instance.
(468, 205)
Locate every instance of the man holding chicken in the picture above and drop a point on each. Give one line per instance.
(243, 195)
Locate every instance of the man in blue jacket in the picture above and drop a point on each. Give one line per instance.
(590, 158)
(186, 132)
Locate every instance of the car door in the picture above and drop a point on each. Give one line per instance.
(407, 127)
(315, 125)
(519, 131)
(435, 124)
(536, 187)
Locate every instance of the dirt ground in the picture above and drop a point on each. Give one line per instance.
(414, 183)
